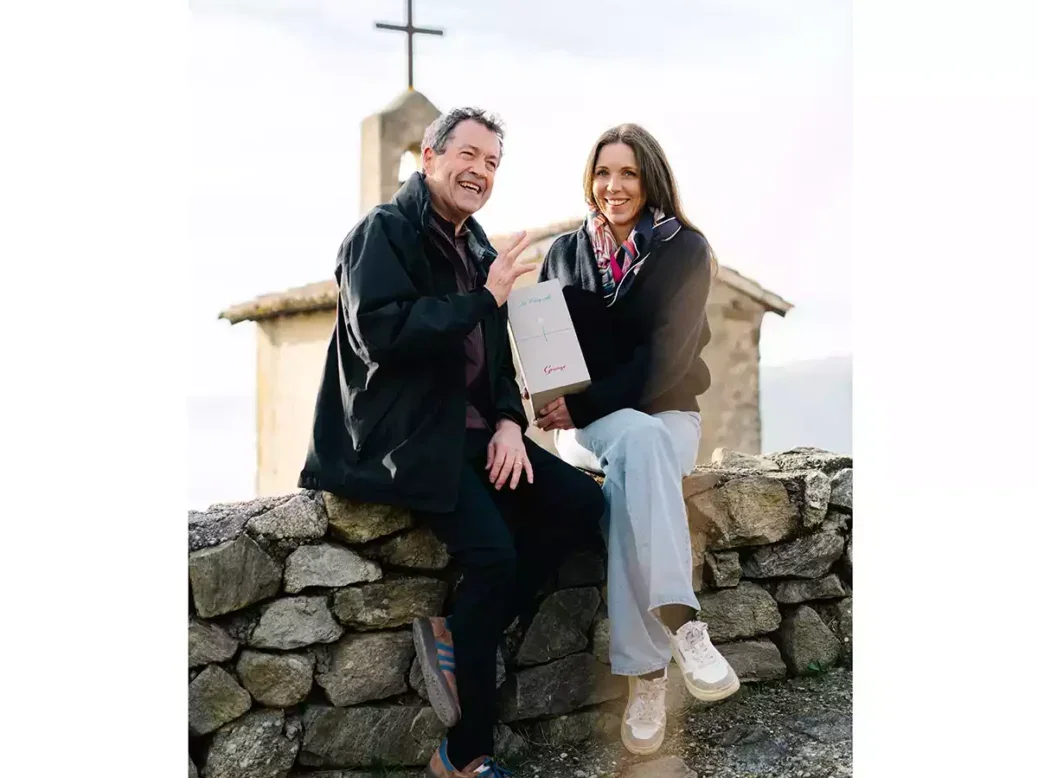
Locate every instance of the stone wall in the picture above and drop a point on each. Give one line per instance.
(300, 652)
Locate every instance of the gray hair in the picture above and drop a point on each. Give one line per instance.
(438, 134)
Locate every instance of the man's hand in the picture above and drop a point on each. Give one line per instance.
(554, 416)
(506, 456)
(506, 268)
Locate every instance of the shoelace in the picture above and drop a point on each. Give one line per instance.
(696, 641)
(648, 701)
(492, 769)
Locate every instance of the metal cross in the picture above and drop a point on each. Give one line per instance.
(411, 31)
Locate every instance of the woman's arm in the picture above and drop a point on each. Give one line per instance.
(666, 356)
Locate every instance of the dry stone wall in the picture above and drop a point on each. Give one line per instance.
(299, 645)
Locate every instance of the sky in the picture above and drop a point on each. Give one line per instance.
(750, 99)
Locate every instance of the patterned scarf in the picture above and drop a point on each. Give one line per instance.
(615, 261)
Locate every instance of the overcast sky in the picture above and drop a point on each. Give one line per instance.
(751, 99)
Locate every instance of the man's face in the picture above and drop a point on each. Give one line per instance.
(462, 177)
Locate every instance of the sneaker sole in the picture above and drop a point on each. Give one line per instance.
(633, 746)
(442, 701)
(712, 695)
(641, 750)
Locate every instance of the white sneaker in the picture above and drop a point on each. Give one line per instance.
(645, 717)
(707, 674)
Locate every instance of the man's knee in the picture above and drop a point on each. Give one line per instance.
(590, 502)
(582, 503)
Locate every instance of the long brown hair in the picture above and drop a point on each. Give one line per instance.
(661, 189)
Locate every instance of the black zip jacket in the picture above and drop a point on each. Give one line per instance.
(644, 344)
(389, 423)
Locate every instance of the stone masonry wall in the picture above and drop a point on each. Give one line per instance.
(299, 644)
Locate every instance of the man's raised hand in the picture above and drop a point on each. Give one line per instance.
(506, 268)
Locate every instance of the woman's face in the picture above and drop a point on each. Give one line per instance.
(617, 185)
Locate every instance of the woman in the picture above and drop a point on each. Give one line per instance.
(636, 277)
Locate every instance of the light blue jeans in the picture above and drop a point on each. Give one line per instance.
(644, 459)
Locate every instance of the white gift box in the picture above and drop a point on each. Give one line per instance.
(545, 343)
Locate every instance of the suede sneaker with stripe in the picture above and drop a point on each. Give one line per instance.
(434, 646)
(481, 767)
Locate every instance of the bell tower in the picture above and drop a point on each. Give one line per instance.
(390, 144)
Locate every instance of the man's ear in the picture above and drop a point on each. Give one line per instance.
(428, 155)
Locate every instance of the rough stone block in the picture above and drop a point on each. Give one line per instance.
(743, 612)
(231, 576)
(390, 603)
(839, 617)
(560, 687)
(295, 622)
(300, 518)
(817, 491)
(808, 458)
(600, 640)
(208, 643)
(842, 497)
(358, 522)
(698, 482)
(723, 569)
(560, 626)
(417, 549)
(754, 660)
(806, 643)
(255, 746)
(573, 728)
(226, 521)
(746, 511)
(808, 557)
(730, 459)
(369, 736)
(276, 680)
(508, 745)
(214, 699)
(327, 565)
(370, 666)
(793, 592)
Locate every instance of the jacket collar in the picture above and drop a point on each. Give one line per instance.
(415, 204)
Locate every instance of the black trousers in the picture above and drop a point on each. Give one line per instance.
(507, 544)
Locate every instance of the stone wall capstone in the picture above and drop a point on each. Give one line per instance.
(300, 656)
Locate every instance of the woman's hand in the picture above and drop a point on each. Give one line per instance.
(554, 416)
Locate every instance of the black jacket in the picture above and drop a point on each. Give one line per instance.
(389, 423)
(643, 349)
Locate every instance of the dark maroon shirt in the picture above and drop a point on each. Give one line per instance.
(455, 248)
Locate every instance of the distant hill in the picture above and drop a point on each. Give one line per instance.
(806, 404)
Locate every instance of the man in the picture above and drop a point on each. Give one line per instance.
(419, 407)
